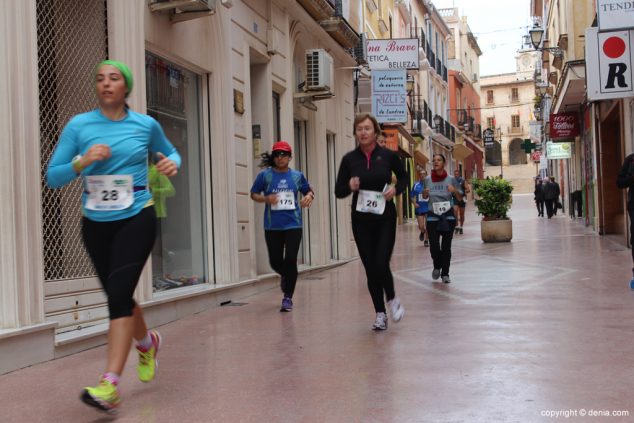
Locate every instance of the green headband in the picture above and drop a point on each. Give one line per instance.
(125, 71)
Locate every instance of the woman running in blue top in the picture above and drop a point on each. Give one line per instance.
(421, 205)
(278, 186)
(108, 147)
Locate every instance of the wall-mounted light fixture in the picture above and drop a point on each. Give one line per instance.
(537, 35)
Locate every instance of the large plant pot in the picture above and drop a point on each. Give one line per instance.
(496, 230)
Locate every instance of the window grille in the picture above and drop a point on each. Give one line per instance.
(71, 40)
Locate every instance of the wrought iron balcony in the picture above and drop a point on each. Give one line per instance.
(319, 9)
(340, 30)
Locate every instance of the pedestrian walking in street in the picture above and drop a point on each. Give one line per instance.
(551, 196)
(557, 204)
(109, 147)
(539, 196)
(366, 173)
(441, 189)
(421, 205)
(460, 205)
(625, 179)
(278, 186)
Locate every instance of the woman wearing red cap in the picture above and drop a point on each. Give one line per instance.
(108, 147)
(278, 186)
(366, 173)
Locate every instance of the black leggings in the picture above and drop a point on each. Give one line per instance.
(283, 247)
(375, 242)
(440, 251)
(119, 250)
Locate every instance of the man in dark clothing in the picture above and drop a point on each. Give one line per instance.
(551, 196)
(625, 179)
(539, 197)
(557, 203)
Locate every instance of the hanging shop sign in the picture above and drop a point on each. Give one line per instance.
(391, 138)
(395, 53)
(564, 125)
(615, 14)
(609, 63)
(558, 150)
(489, 137)
(389, 96)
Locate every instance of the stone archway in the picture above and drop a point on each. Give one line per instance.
(517, 155)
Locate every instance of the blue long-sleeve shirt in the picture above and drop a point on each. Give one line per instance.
(130, 139)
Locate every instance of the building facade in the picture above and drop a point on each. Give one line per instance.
(464, 95)
(606, 134)
(507, 109)
(225, 79)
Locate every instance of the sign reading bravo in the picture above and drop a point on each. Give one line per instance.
(392, 54)
(609, 63)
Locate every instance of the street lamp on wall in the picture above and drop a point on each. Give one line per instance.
(536, 34)
(437, 122)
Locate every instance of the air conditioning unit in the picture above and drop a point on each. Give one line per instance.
(319, 70)
(475, 77)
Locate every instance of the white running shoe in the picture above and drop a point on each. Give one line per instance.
(380, 323)
(396, 309)
(435, 274)
(446, 279)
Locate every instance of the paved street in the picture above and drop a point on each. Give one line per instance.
(541, 325)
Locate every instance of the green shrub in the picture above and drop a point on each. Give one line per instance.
(493, 197)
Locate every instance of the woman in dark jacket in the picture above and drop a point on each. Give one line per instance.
(366, 173)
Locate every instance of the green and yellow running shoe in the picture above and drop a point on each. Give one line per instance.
(104, 396)
(146, 369)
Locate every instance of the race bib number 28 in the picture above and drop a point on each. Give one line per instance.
(109, 192)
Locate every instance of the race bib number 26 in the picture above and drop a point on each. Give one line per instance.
(370, 202)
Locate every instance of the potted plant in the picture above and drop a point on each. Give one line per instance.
(493, 200)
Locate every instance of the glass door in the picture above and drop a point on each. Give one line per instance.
(301, 164)
(332, 200)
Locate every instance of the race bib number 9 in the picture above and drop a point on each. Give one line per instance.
(109, 192)
(370, 202)
(441, 207)
(285, 201)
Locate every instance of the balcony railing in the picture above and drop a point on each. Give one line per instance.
(515, 129)
(477, 132)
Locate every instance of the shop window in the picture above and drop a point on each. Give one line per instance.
(174, 99)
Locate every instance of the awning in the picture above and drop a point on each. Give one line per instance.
(420, 158)
(442, 140)
(402, 130)
(571, 91)
(472, 144)
(460, 152)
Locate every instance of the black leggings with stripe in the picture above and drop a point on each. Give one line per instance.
(119, 250)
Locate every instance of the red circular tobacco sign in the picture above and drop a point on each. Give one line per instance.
(614, 47)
